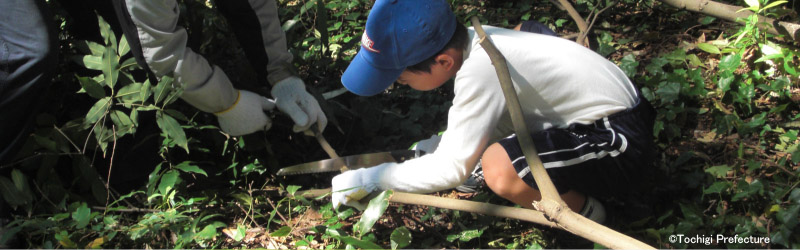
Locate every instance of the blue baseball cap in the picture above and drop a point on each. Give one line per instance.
(399, 33)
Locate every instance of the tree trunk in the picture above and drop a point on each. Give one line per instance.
(729, 13)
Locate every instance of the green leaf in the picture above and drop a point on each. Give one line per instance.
(144, 93)
(719, 171)
(773, 4)
(130, 93)
(707, 20)
(717, 187)
(105, 29)
(208, 232)
(400, 237)
(123, 48)
(291, 189)
(795, 196)
(122, 121)
(468, 235)
(729, 63)
(10, 193)
(656, 65)
(628, 64)
(452, 237)
(91, 62)
(96, 243)
(172, 129)
(363, 244)
(162, 89)
(694, 61)
(669, 91)
(709, 48)
(20, 181)
(373, 212)
(92, 87)
(241, 231)
(188, 167)
(281, 232)
(789, 217)
(22, 186)
(81, 215)
(130, 62)
(168, 181)
(110, 67)
(90, 48)
(724, 83)
(97, 111)
(152, 179)
(787, 65)
(63, 239)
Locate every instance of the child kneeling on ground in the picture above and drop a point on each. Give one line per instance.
(591, 126)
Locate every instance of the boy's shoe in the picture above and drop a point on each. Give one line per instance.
(475, 182)
(594, 210)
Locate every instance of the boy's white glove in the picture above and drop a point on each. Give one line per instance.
(291, 98)
(247, 115)
(352, 186)
(428, 145)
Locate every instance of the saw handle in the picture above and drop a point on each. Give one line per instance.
(324, 144)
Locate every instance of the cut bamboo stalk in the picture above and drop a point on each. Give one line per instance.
(455, 204)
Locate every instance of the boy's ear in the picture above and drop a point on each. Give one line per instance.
(445, 60)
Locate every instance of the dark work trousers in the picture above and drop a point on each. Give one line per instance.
(28, 59)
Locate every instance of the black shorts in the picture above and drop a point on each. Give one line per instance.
(602, 159)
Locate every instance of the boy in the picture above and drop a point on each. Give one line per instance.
(591, 127)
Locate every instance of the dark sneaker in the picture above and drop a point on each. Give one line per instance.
(475, 182)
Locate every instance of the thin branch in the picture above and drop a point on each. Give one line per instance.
(47, 198)
(34, 156)
(67, 137)
(277, 212)
(594, 18)
(111, 164)
(126, 210)
(578, 21)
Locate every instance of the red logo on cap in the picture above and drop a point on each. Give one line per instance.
(367, 43)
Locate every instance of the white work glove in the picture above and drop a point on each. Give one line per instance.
(428, 145)
(351, 186)
(291, 98)
(247, 115)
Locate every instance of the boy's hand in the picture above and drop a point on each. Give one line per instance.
(350, 187)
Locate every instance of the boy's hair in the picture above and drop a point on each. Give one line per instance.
(458, 41)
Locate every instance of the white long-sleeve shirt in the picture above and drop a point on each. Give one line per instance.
(558, 83)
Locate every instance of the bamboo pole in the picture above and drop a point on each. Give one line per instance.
(455, 204)
(551, 204)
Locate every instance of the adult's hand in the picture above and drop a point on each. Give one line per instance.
(292, 99)
(247, 115)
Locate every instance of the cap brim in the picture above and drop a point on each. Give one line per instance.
(363, 79)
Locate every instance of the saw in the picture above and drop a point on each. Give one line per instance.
(350, 162)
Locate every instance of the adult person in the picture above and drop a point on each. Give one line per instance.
(159, 44)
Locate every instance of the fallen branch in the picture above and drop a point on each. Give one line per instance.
(551, 204)
(731, 13)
